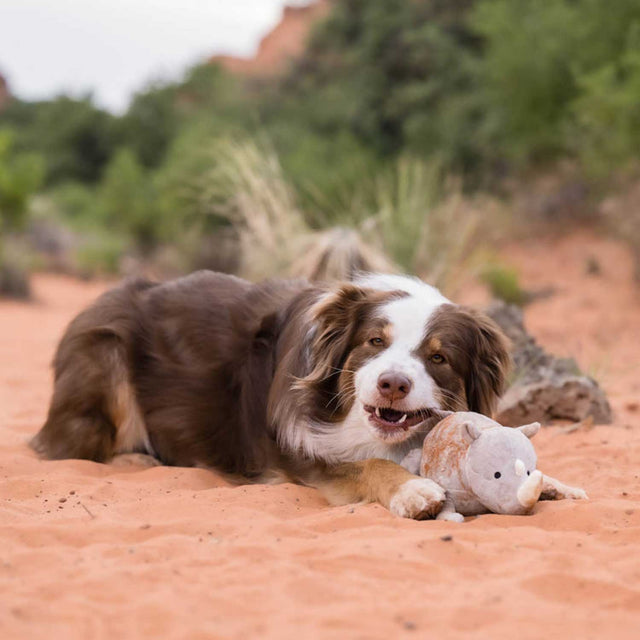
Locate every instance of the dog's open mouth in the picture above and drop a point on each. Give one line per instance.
(389, 419)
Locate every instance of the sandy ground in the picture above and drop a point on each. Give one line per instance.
(92, 551)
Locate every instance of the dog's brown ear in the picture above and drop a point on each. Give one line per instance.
(334, 320)
(489, 363)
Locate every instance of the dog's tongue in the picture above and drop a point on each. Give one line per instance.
(391, 415)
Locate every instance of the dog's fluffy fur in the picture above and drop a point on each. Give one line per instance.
(212, 371)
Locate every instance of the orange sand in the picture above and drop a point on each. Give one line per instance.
(92, 551)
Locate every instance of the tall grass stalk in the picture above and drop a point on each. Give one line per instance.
(247, 187)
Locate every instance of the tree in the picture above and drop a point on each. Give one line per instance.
(20, 177)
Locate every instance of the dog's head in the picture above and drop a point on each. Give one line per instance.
(387, 352)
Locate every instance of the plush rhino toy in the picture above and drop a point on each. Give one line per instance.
(485, 467)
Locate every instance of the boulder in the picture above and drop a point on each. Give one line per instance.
(544, 388)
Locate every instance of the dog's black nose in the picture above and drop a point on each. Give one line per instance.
(393, 386)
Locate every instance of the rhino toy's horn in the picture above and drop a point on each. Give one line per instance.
(530, 490)
(530, 430)
(520, 467)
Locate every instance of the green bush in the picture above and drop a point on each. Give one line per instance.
(607, 118)
(389, 97)
(75, 138)
(504, 284)
(127, 200)
(20, 176)
(99, 253)
(558, 77)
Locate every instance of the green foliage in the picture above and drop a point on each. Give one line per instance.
(504, 284)
(393, 64)
(151, 122)
(99, 253)
(525, 73)
(78, 205)
(555, 71)
(607, 118)
(20, 176)
(128, 202)
(402, 198)
(389, 97)
(75, 138)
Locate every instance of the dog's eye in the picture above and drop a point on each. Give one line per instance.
(376, 342)
(497, 475)
(437, 358)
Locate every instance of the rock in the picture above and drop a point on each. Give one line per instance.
(568, 398)
(14, 282)
(284, 44)
(544, 388)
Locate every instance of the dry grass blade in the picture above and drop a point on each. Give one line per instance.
(246, 185)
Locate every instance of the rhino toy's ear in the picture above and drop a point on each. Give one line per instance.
(472, 430)
(530, 430)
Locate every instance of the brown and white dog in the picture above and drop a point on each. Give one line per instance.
(330, 386)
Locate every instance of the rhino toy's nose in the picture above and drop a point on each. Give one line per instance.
(530, 490)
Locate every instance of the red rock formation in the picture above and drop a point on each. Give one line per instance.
(284, 42)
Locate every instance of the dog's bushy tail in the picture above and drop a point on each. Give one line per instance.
(340, 254)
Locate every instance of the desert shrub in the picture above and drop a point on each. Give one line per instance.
(77, 204)
(127, 200)
(98, 253)
(20, 176)
(503, 283)
(389, 100)
(16, 263)
(150, 123)
(421, 219)
(326, 171)
(75, 137)
(526, 80)
(607, 119)
(402, 197)
(558, 77)
(246, 186)
(14, 280)
(386, 68)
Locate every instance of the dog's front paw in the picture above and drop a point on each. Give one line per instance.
(418, 498)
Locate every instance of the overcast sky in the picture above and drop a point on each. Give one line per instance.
(112, 47)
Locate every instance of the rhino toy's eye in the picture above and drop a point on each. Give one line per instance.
(497, 475)
(528, 473)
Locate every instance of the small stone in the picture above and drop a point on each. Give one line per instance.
(446, 538)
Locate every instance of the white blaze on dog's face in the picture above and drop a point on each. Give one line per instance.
(394, 389)
(387, 352)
